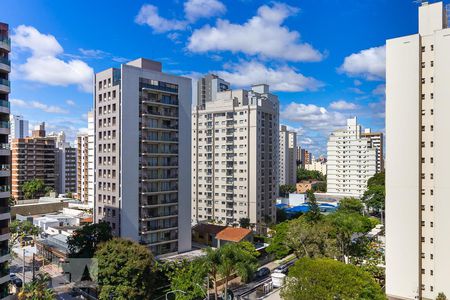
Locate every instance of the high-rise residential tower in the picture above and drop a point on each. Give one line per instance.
(19, 127)
(208, 87)
(377, 142)
(351, 161)
(288, 157)
(85, 145)
(235, 157)
(65, 163)
(143, 155)
(34, 157)
(5, 157)
(418, 160)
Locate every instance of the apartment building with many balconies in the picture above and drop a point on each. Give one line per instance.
(418, 160)
(377, 142)
(82, 146)
(34, 157)
(5, 156)
(235, 157)
(287, 157)
(143, 155)
(19, 127)
(351, 161)
(65, 164)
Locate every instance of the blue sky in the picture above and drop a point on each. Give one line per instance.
(323, 58)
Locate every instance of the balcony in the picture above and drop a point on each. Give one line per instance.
(5, 170)
(5, 149)
(5, 86)
(5, 64)
(5, 43)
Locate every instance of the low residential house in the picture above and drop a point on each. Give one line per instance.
(305, 185)
(233, 235)
(205, 234)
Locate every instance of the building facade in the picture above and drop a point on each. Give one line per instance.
(208, 87)
(66, 164)
(235, 157)
(418, 163)
(288, 157)
(142, 149)
(317, 165)
(91, 159)
(377, 142)
(82, 167)
(5, 156)
(19, 127)
(34, 157)
(351, 161)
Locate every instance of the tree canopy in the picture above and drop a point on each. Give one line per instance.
(303, 174)
(375, 195)
(286, 189)
(84, 241)
(351, 205)
(125, 270)
(277, 245)
(19, 230)
(322, 278)
(34, 188)
(189, 277)
(37, 289)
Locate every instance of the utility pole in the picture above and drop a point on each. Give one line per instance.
(23, 268)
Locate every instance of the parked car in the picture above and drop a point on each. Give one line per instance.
(16, 280)
(261, 273)
(281, 269)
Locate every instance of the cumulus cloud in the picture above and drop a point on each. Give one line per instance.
(283, 78)
(380, 90)
(262, 35)
(313, 117)
(44, 65)
(70, 102)
(53, 109)
(369, 64)
(197, 9)
(343, 105)
(149, 15)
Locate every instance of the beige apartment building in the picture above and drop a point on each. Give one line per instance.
(143, 155)
(377, 142)
(34, 157)
(287, 157)
(235, 157)
(418, 160)
(82, 146)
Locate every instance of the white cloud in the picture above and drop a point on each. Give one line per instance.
(261, 35)
(369, 64)
(197, 9)
(53, 109)
(313, 117)
(149, 15)
(70, 102)
(282, 78)
(93, 53)
(44, 66)
(380, 90)
(343, 105)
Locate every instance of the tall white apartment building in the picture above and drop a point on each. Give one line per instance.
(208, 87)
(377, 142)
(288, 157)
(317, 165)
(19, 127)
(235, 157)
(143, 155)
(418, 160)
(66, 181)
(85, 145)
(351, 161)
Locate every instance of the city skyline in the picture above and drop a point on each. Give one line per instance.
(320, 81)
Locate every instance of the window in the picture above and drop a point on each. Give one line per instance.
(432, 79)
(423, 112)
(423, 80)
(432, 47)
(422, 239)
(431, 144)
(432, 63)
(431, 127)
(432, 96)
(422, 97)
(423, 128)
(423, 48)
(431, 208)
(432, 112)
(423, 64)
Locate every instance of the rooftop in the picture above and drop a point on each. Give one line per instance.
(233, 234)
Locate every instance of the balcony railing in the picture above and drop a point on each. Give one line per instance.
(4, 103)
(4, 82)
(4, 188)
(4, 124)
(5, 167)
(5, 61)
(4, 146)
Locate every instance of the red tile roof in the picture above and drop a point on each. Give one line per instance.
(233, 234)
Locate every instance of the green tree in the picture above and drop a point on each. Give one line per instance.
(281, 215)
(212, 262)
(84, 241)
(244, 222)
(277, 245)
(125, 270)
(249, 248)
(320, 187)
(441, 296)
(34, 188)
(327, 279)
(236, 260)
(351, 205)
(37, 289)
(286, 189)
(313, 214)
(345, 226)
(309, 239)
(377, 179)
(19, 230)
(303, 174)
(375, 195)
(188, 277)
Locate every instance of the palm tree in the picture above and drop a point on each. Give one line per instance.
(234, 259)
(37, 289)
(212, 262)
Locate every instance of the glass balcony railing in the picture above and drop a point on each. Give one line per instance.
(4, 60)
(4, 124)
(4, 82)
(4, 146)
(4, 188)
(5, 167)
(4, 103)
